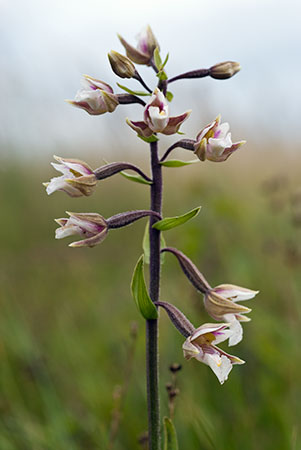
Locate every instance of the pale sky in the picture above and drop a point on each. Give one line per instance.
(47, 45)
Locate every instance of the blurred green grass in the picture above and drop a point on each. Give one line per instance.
(66, 313)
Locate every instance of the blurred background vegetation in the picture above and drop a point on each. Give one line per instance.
(66, 314)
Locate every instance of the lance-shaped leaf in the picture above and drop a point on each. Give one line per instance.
(170, 435)
(126, 89)
(171, 222)
(140, 294)
(146, 246)
(178, 163)
(135, 178)
(157, 58)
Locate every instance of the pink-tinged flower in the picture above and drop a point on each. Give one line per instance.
(221, 303)
(96, 97)
(78, 178)
(143, 53)
(214, 142)
(156, 117)
(201, 344)
(93, 227)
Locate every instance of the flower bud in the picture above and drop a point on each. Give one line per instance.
(121, 65)
(145, 47)
(224, 70)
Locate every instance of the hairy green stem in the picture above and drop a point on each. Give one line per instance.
(152, 355)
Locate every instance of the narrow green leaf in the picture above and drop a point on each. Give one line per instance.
(157, 58)
(178, 163)
(170, 435)
(171, 222)
(180, 132)
(169, 96)
(135, 178)
(141, 93)
(140, 294)
(165, 61)
(149, 139)
(146, 248)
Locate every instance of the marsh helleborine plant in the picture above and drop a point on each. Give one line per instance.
(213, 143)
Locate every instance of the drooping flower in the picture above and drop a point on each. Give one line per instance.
(201, 344)
(221, 303)
(143, 53)
(78, 178)
(214, 142)
(95, 96)
(156, 117)
(92, 226)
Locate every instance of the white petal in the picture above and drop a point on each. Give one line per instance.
(67, 230)
(235, 328)
(208, 328)
(235, 293)
(221, 365)
(158, 120)
(190, 350)
(63, 169)
(222, 130)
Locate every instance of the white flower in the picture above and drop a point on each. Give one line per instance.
(156, 117)
(92, 226)
(77, 178)
(201, 344)
(214, 142)
(221, 303)
(95, 96)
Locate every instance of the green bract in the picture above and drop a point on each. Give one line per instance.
(172, 222)
(178, 163)
(170, 435)
(135, 178)
(140, 294)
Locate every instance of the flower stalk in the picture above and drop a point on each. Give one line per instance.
(152, 354)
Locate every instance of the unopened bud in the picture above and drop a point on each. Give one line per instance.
(121, 65)
(224, 70)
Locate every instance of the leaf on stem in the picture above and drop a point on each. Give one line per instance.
(171, 222)
(157, 58)
(141, 93)
(135, 178)
(146, 247)
(169, 96)
(140, 294)
(178, 163)
(170, 435)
